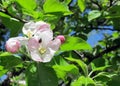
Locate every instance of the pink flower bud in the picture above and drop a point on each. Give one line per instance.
(12, 45)
(62, 38)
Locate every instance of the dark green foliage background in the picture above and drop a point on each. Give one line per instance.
(76, 63)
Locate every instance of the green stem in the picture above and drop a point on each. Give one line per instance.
(38, 68)
(90, 73)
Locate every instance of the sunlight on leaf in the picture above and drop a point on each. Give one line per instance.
(93, 15)
(63, 71)
(81, 4)
(75, 43)
(83, 81)
(54, 6)
(81, 64)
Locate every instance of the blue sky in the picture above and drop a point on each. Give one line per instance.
(96, 35)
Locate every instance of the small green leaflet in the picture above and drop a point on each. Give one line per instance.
(75, 43)
(81, 4)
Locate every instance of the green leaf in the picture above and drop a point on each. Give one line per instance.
(113, 12)
(55, 6)
(81, 64)
(6, 3)
(114, 16)
(33, 14)
(1, 67)
(83, 81)
(2, 70)
(63, 71)
(75, 43)
(101, 68)
(63, 62)
(81, 4)
(67, 1)
(37, 74)
(52, 19)
(14, 25)
(93, 15)
(29, 9)
(99, 62)
(4, 15)
(115, 81)
(104, 2)
(115, 35)
(8, 60)
(27, 4)
(115, 20)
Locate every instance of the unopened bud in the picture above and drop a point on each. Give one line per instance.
(12, 45)
(62, 38)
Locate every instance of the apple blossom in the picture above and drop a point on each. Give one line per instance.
(43, 52)
(42, 46)
(39, 41)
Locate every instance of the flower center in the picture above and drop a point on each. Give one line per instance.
(29, 34)
(42, 50)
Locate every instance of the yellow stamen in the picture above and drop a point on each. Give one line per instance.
(29, 34)
(42, 50)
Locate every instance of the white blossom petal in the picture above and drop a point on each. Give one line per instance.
(42, 26)
(45, 37)
(48, 55)
(55, 44)
(29, 28)
(33, 44)
(35, 56)
(23, 40)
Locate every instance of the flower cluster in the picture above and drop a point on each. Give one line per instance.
(38, 40)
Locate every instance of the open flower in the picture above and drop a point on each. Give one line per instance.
(43, 52)
(42, 47)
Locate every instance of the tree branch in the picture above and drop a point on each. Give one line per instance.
(98, 28)
(104, 52)
(79, 54)
(91, 57)
(102, 27)
(112, 2)
(6, 12)
(96, 3)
